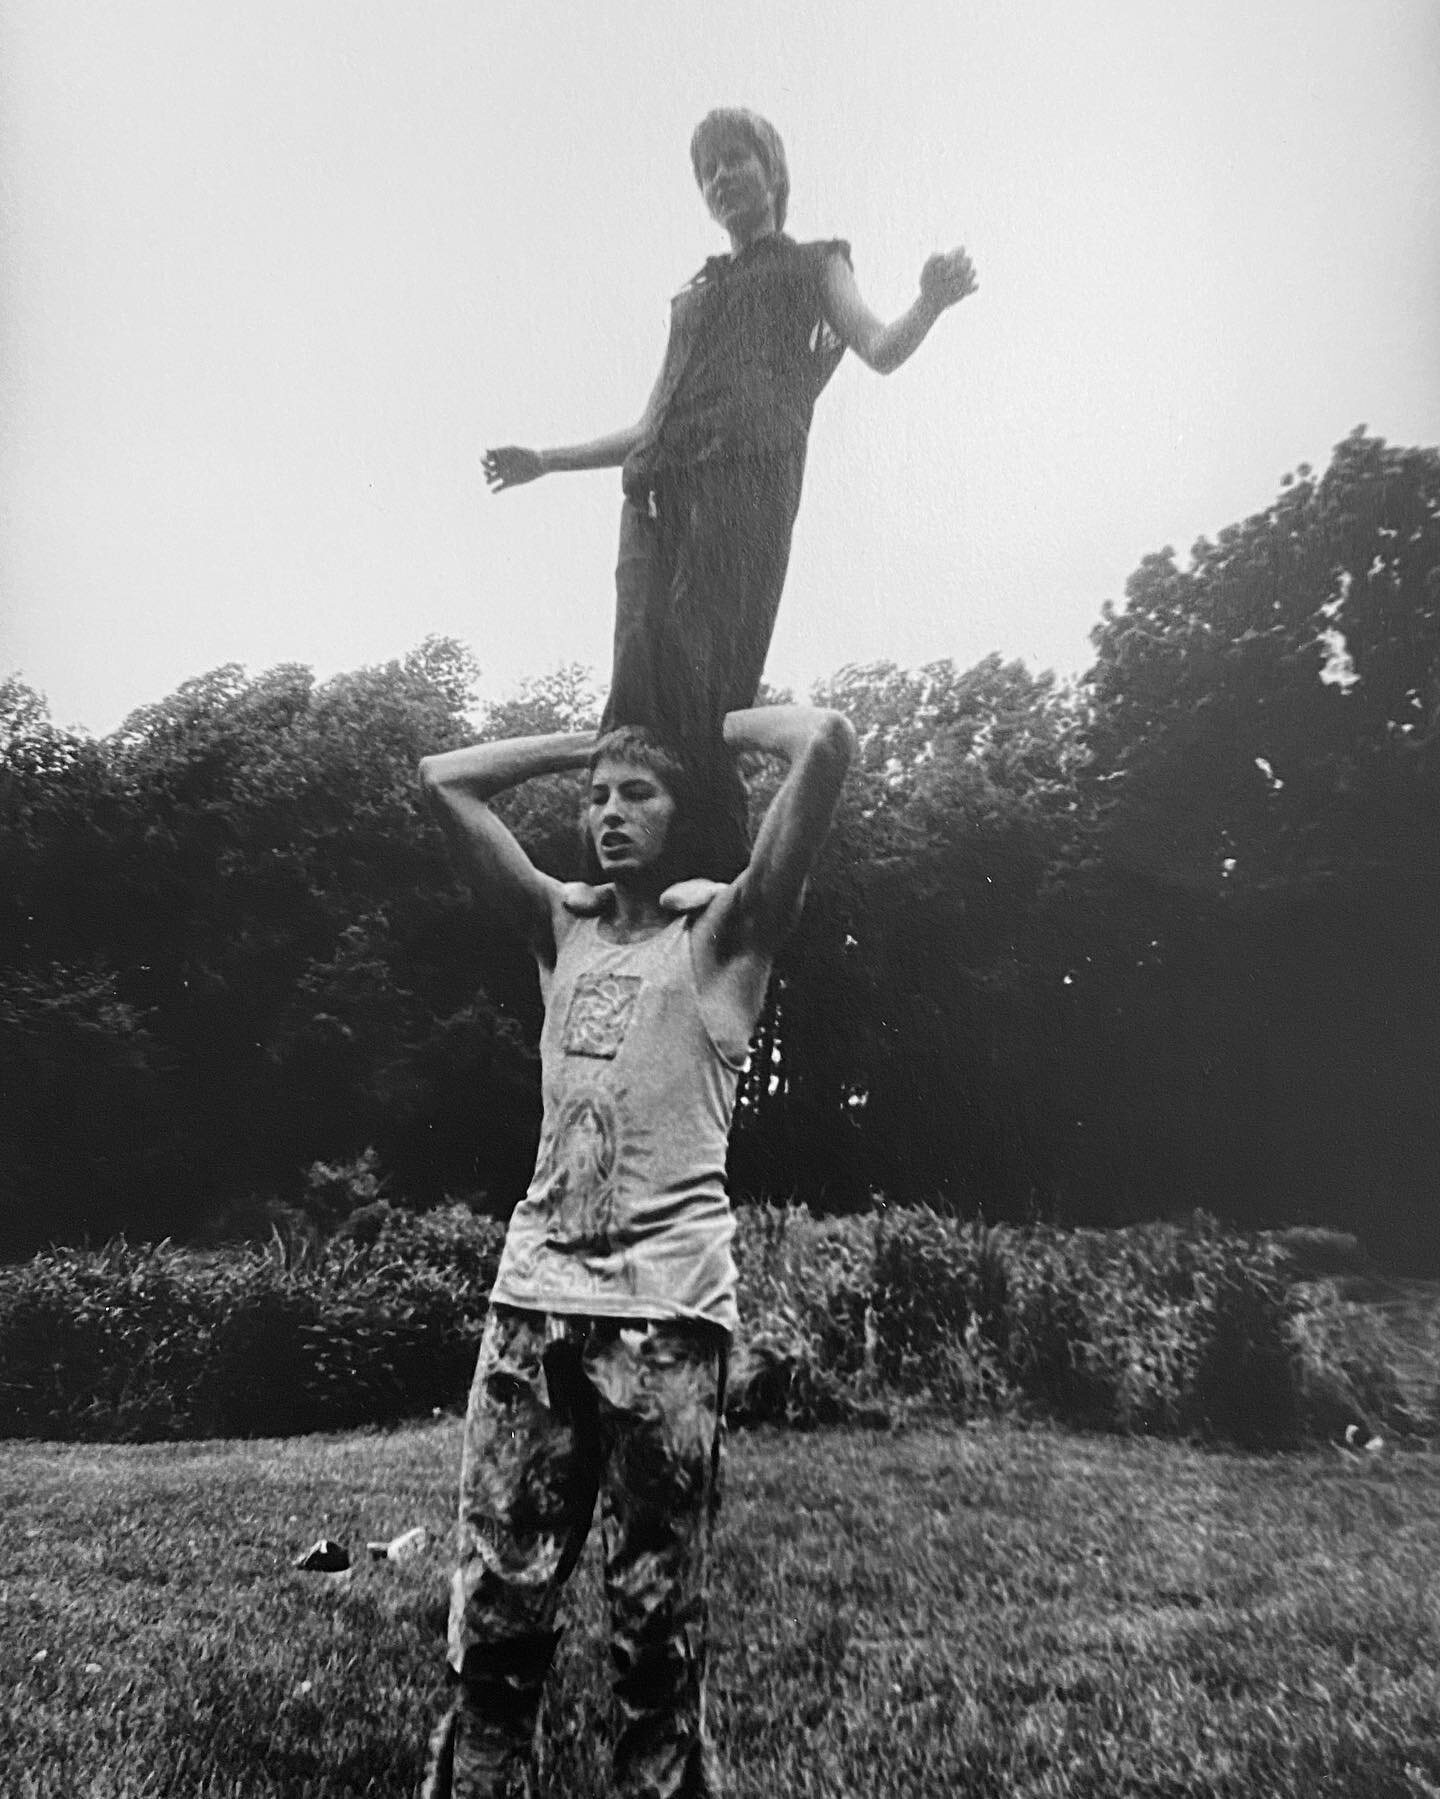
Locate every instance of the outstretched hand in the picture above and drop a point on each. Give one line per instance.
(510, 466)
(947, 278)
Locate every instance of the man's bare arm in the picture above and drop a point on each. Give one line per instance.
(818, 745)
(460, 784)
(944, 281)
(512, 466)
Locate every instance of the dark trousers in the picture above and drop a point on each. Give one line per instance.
(562, 1411)
(697, 587)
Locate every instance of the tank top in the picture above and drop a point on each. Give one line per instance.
(627, 1213)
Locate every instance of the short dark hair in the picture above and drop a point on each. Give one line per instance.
(758, 132)
(703, 838)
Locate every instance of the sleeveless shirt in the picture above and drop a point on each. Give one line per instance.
(748, 353)
(627, 1213)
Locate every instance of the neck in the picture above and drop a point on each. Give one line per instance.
(750, 231)
(637, 909)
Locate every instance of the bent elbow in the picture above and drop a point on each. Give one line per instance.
(874, 356)
(435, 789)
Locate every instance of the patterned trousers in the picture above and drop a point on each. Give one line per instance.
(564, 1410)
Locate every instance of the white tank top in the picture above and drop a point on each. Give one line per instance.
(627, 1213)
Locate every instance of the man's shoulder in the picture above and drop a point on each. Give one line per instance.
(816, 253)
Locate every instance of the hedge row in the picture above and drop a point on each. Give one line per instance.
(129, 1343)
(1175, 1329)
(1178, 1330)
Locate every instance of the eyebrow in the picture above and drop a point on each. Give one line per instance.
(597, 786)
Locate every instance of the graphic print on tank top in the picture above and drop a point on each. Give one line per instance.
(599, 1015)
(580, 1167)
(581, 1173)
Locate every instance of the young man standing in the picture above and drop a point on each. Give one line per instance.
(602, 1367)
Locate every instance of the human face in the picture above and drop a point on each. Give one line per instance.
(737, 186)
(629, 816)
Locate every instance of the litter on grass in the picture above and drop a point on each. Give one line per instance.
(324, 1557)
(401, 1548)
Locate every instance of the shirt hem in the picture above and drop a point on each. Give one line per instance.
(616, 1305)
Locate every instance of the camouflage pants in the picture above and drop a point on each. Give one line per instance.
(563, 1410)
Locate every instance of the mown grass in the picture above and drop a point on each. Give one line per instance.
(933, 1610)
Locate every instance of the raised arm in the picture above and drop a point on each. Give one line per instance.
(817, 744)
(460, 784)
(512, 466)
(944, 281)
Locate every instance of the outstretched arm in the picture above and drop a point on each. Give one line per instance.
(512, 466)
(817, 744)
(944, 282)
(460, 784)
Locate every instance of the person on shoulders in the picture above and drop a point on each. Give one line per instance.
(712, 469)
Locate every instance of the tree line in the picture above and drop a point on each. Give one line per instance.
(1162, 939)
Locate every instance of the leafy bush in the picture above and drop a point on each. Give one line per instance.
(1158, 1327)
(1167, 1328)
(1348, 1372)
(1246, 1381)
(335, 1190)
(1312, 1252)
(940, 1303)
(159, 1342)
(802, 1356)
(100, 1345)
(1164, 1328)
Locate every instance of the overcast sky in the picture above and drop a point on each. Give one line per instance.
(274, 272)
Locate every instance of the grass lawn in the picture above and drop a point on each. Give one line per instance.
(983, 1612)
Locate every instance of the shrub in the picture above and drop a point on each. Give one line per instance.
(1246, 1381)
(99, 1345)
(1157, 1328)
(160, 1342)
(1347, 1370)
(335, 1190)
(1312, 1252)
(804, 1290)
(941, 1306)
(1168, 1328)
(1154, 1328)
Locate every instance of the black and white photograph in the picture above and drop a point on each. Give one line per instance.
(719, 899)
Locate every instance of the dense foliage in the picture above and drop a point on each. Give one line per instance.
(1158, 1329)
(1162, 942)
